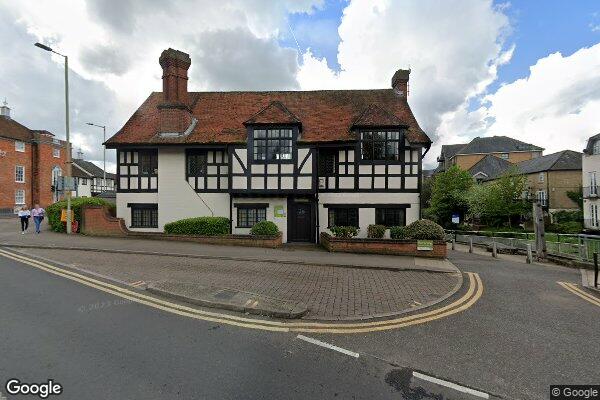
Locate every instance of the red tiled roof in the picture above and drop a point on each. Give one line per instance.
(11, 129)
(274, 113)
(325, 115)
(374, 115)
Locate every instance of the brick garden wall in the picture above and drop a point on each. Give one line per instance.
(381, 246)
(96, 221)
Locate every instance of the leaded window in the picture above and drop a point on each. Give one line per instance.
(197, 164)
(272, 144)
(343, 216)
(149, 163)
(144, 216)
(247, 217)
(380, 145)
(390, 216)
(326, 162)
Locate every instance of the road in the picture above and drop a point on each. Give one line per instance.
(525, 333)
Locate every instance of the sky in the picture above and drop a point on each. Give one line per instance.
(529, 69)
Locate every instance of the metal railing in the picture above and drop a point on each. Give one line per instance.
(576, 247)
(591, 191)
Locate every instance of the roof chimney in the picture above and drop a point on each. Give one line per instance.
(5, 110)
(175, 114)
(400, 82)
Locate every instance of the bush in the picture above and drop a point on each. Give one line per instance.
(398, 232)
(264, 228)
(203, 226)
(425, 229)
(568, 216)
(565, 227)
(53, 211)
(376, 231)
(345, 232)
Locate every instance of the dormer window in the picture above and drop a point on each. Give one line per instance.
(380, 145)
(272, 144)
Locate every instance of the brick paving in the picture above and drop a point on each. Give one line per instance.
(331, 293)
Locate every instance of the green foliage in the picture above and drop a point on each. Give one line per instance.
(576, 196)
(53, 211)
(425, 229)
(346, 232)
(565, 227)
(203, 226)
(376, 231)
(264, 228)
(499, 201)
(426, 188)
(399, 232)
(449, 194)
(568, 216)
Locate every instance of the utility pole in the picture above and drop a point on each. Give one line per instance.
(538, 228)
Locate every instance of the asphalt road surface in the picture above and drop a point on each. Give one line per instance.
(525, 333)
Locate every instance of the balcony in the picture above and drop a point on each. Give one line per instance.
(591, 192)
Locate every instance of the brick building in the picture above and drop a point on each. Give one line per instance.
(30, 160)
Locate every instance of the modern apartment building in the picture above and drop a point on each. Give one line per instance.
(590, 174)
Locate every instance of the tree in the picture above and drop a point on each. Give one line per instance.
(576, 196)
(501, 200)
(449, 194)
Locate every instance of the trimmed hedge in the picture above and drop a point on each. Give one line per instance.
(398, 232)
(566, 227)
(376, 231)
(264, 228)
(202, 226)
(425, 229)
(53, 211)
(346, 232)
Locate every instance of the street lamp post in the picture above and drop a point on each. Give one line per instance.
(68, 177)
(104, 165)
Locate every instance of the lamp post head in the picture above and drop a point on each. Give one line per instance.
(43, 46)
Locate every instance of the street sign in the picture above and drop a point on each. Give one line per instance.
(455, 219)
(63, 215)
(425, 245)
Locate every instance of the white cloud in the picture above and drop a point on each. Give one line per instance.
(556, 106)
(452, 59)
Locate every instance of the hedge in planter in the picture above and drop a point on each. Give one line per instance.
(202, 226)
(376, 231)
(423, 229)
(53, 211)
(264, 228)
(399, 232)
(346, 232)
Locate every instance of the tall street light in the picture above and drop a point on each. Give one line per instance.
(104, 130)
(68, 177)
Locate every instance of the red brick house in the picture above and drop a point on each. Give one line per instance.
(30, 160)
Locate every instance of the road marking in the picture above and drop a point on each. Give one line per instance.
(473, 293)
(451, 385)
(328, 346)
(138, 283)
(571, 287)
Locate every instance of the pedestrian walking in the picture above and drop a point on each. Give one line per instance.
(38, 214)
(24, 215)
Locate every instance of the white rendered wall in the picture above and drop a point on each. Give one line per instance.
(272, 201)
(366, 216)
(125, 212)
(589, 163)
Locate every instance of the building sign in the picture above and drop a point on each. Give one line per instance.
(278, 212)
(425, 245)
(455, 219)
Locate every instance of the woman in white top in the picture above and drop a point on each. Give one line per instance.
(24, 215)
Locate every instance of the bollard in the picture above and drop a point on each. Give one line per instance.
(494, 249)
(595, 270)
(453, 244)
(470, 244)
(529, 254)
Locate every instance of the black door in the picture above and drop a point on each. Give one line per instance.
(301, 229)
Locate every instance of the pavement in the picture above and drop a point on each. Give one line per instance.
(295, 282)
(525, 331)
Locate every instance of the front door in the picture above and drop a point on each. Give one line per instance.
(301, 221)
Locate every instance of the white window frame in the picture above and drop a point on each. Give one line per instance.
(504, 156)
(593, 183)
(20, 196)
(542, 177)
(22, 169)
(594, 215)
(56, 153)
(20, 146)
(542, 197)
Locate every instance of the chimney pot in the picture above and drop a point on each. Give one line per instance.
(400, 82)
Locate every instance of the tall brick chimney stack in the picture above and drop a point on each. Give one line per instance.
(400, 82)
(175, 113)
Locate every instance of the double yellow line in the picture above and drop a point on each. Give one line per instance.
(473, 293)
(571, 287)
